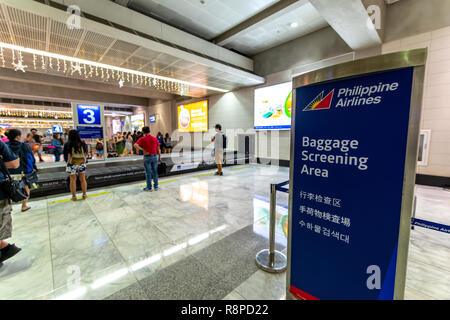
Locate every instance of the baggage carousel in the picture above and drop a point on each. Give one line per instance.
(101, 173)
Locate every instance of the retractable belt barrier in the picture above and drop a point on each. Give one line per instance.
(430, 225)
(281, 187)
(273, 261)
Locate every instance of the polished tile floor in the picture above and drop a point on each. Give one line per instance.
(196, 238)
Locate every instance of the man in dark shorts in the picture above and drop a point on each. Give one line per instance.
(10, 161)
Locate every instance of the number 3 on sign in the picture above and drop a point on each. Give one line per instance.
(89, 116)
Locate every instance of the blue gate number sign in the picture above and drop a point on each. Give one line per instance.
(88, 115)
(348, 174)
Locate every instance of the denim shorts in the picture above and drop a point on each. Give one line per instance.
(74, 169)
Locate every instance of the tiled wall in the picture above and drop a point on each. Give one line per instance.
(163, 112)
(436, 102)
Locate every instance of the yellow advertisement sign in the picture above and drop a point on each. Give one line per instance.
(193, 117)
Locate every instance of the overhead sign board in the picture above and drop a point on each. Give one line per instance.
(89, 114)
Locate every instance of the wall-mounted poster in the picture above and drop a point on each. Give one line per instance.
(137, 121)
(273, 107)
(193, 117)
(117, 126)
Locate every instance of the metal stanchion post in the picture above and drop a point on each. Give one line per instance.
(271, 260)
(414, 211)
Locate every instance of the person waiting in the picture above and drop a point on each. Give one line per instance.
(37, 143)
(22, 150)
(129, 144)
(8, 160)
(218, 140)
(168, 144)
(57, 145)
(99, 147)
(120, 144)
(75, 154)
(160, 138)
(149, 145)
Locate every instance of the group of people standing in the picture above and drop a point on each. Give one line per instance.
(35, 142)
(17, 162)
(125, 143)
(165, 142)
(16, 159)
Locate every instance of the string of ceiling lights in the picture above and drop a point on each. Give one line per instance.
(34, 113)
(89, 69)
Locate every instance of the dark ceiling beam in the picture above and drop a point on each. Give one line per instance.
(124, 3)
(266, 13)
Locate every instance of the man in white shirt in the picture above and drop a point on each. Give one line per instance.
(218, 149)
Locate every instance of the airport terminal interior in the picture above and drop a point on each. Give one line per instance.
(262, 110)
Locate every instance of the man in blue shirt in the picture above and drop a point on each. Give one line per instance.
(10, 161)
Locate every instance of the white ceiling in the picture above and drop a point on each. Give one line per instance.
(31, 30)
(213, 18)
(205, 20)
(273, 32)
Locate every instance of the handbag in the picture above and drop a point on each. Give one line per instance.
(13, 189)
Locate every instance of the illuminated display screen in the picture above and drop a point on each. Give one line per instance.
(193, 117)
(273, 107)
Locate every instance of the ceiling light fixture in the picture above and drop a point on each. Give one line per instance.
(76, 62)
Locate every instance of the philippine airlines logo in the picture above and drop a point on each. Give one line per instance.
(320, 103)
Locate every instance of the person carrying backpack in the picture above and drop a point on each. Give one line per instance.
(220, 144)
(9, 161)
(75, 154)
(27, 162)
(99, 147)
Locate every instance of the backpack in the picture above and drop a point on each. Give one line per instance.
(99, 146)
(224, 141)
(78, 158)
(31, 161)
(27, 161)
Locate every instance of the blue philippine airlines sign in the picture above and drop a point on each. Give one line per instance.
(350, 151)
(88, 114)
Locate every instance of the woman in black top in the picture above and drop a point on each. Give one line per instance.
(168, 143)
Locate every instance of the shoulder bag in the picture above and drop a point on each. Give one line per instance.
(13, 189)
